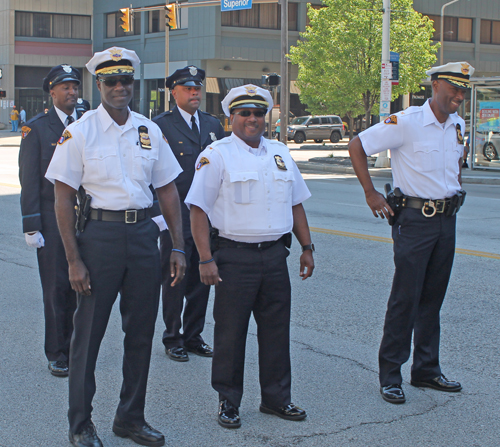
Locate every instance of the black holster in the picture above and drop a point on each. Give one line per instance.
(456, 203)
(394, 200)
(82, 209)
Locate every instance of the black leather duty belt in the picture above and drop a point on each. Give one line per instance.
(429, 207)
(228, 243)
(127, 216)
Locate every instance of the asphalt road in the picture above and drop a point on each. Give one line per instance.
(337, 318)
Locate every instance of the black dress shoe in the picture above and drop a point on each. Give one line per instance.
(393, 394)
(229, 416)
(290, 412)
(142, 434)
(59, 368)
(202, 349)
(86, 438)
(440, 383)
(179, 354)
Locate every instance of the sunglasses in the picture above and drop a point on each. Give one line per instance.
(123, 80)
(247, 113)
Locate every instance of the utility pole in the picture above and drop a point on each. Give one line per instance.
(442, 30)
(385, 83)
(285, 94)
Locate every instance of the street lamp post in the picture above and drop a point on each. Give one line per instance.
(442, 29)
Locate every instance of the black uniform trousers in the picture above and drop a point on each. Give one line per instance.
(59, 300)
(424, 249)
(121, 258)
(191, 287)
(257, 281)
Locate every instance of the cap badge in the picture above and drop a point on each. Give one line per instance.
(213, 137)
(280, 163)
(67, 68)
(460, 138)
(193, 71)
(465, 69)
(204, 161)
(116, 54)
(144, 139)
(251, 90)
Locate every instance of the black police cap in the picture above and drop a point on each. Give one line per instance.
(191, 76)
(59, 74)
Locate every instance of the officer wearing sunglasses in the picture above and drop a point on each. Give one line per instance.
(115, 155)
(252, 192)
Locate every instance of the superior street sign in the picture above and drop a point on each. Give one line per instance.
(234, 5)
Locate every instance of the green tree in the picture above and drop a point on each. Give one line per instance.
(339, 55)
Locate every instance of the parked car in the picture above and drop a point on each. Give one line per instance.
(317, 128)
(488, 144)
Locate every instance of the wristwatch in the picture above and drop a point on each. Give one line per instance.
(308, 247)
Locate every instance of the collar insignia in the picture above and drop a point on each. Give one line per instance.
(280, 163)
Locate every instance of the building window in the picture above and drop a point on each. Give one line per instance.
(456, 29)
(490, 31)
(57, 26)
(267, 16)
(114, 29)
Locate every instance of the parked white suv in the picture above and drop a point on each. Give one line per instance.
(317, 128)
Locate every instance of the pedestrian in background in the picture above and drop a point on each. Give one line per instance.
(427, 147)
(22, 115)
(188, 131)
(14, 119)
(39, 138)
(251, 191)
(115, 155)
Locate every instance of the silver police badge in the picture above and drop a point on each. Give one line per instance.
(213, 137)
(193, 71)
(67, 68)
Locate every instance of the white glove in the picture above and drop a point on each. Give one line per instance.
(35, 240)
(160, 221)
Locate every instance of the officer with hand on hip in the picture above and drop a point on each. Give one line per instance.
(115, 155)
(39, 138)
(252, 192)
(427, 147)
(188, 131)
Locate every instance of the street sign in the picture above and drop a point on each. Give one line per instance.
(395, 68)
(386, 70)
(234, 5)
(385, 90)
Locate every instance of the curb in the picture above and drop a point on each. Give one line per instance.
(383, 172)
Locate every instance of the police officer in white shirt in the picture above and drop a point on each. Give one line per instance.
(252, 192)
(115, 155)
(427, 147)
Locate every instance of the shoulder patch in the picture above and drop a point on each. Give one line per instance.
(65, 136)
(25, 130)
(393, 119)
(204, 161)
(165, 138)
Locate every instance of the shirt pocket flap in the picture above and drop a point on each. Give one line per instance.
(100, 152)
(285, 176)
(151, 154)
(243, 176)
(426, 147)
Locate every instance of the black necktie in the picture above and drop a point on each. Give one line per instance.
(194, 127)
(70, 119)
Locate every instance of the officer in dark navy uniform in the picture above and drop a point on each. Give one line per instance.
(188, 131)
(39, 139)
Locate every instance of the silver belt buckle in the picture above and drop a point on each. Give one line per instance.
(429, 204)
(131, 216)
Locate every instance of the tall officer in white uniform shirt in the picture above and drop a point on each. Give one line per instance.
(252, 192)
(115, 155)
(426, 146)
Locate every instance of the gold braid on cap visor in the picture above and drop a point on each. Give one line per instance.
(116, 69)
(248, 101)
(458, 81)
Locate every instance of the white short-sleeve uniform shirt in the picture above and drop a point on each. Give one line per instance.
(425, 153)
(247, 193)
(112, 162)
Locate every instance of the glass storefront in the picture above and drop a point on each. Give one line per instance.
(485, 141)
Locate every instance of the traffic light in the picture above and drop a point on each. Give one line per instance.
(126, 25)
(171, 16)
(271, 80)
